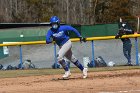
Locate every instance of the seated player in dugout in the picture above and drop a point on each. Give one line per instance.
(125, 29)
(58, 33)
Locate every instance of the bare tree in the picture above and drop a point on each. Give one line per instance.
(70, 11)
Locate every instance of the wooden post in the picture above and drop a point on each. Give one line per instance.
(120, 19)
(138, 25)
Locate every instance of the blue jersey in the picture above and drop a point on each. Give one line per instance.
(60, 36)
(127, 30)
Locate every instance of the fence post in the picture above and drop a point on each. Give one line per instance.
(92, 44)
(136, 48)
(55, 56)
(20, 50)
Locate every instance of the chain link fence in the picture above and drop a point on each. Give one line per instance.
(43, 56)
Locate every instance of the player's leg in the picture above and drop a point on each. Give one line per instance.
(75, 61)
(125, 52)
(60, 57)
(129, 53)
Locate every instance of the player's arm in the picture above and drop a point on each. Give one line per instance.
(70, 28)
(120, 33)
(48, 37)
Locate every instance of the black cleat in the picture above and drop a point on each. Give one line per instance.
(129, 64)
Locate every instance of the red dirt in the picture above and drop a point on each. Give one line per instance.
(124, 81)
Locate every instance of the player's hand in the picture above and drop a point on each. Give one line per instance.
(82, 39)
(117, 36)
(48, 42)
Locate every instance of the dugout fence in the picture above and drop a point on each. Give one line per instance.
(43, 56)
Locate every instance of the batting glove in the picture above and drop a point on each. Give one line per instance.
(82, 39)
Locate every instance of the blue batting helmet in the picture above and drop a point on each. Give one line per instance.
(54, 19)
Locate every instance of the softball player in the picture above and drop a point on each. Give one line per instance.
(125, 29)
(59, 34)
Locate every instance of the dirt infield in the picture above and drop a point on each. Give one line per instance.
(122, 81)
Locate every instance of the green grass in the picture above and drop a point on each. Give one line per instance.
(37, 72)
